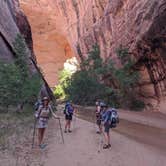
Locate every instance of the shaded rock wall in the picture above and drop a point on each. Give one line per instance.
(138, 25)
(13, 22)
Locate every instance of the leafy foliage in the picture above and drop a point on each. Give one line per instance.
(84, 89)
(17, 85)
(104, 80)
(127, 78)
(64, 78)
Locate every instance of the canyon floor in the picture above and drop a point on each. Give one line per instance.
(139, 140)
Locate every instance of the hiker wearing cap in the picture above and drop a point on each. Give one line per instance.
(42, 114)
(69, 110)
(106, 118)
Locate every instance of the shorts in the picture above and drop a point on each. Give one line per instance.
(106, 128)
(98, 120)
(42, 123)
(68, 117)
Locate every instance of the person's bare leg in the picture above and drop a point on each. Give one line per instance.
(108, 138)
(66, 125)
(69, 125)
(39, 136)
(42, 134)
(100, 128)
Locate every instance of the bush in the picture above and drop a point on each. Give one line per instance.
(64, 78)
(59, 92)
(104, 80)
(137, 105)
(17, 85)
(84, 89)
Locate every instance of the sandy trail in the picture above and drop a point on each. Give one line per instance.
(81, 149)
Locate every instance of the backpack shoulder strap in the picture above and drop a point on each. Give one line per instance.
(40, 110)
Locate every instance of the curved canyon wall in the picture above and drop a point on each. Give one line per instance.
(138, 25)
(51, 46)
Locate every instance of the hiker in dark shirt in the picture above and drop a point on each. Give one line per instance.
(106, 119)
(69, 110)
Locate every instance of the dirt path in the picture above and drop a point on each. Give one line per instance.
(139, 140)
(81, 149)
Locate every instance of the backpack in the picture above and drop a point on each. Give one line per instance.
(37, 105)
(114, 118)
(68, 110)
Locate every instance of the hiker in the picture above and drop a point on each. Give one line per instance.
(106, 118)
(42, 114)
(99, 116)
(69, 110)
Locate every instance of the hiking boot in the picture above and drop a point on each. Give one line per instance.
(69, 131)
(42, 146)
(109, 145)
(98, 132)
(106, 146)
(65, 131)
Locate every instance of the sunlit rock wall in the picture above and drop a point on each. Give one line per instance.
(138, 25)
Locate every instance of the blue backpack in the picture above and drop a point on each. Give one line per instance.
(37, 105)
(68, 109)
(113, 118)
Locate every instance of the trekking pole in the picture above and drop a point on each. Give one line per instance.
(100, 143)
(34, 131)
(94, 121)
(74, 121)
(61, 130)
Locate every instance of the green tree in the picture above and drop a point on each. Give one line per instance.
(9, 84)
(126, 77)
(64, 79)
(17, 85)
(104, 80)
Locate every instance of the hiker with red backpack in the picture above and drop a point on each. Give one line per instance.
(69, 110)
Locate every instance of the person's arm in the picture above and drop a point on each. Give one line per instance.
(98, 109)
(37, 113)
(105, 117)
(53, 114)
(75, 110)
(67, 111)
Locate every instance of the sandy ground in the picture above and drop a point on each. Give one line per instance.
(139, 140)
(149, 118)
(82, 145)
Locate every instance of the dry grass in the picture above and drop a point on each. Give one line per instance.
(15, 137)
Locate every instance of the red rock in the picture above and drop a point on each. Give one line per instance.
(138, 25)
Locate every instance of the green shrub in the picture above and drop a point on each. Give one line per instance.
(59, 92)
(17, 85)
(104, 80)
(64, 78)
(84, 89)
(137, 105)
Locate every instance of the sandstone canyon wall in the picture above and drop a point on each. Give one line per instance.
(12, 23)
(51, 45)
(138, 25)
